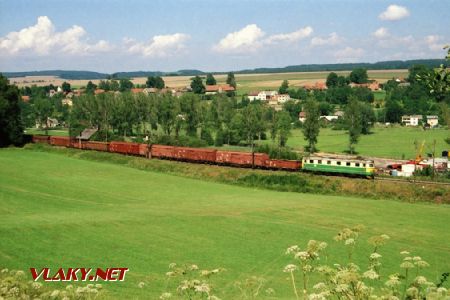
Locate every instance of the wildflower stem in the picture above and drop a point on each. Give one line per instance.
(293, 284)
(406, 283)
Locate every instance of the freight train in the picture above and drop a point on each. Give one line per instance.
(328, 165)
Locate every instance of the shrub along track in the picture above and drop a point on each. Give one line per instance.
(266, 179)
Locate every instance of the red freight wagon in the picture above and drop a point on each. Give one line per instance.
(195, 154)
(124, 147)
(60, 141)
(292, 165)
(162, 151)
(41, 139)
(99, 146)
(143, 150)
(241, 158)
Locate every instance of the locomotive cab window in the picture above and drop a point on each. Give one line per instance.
(347, 164)
(319, 161)
(311, 161)
(357, 164)
(328, 162)
(338, 163)
(371, 165)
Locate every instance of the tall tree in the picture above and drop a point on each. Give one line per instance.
(159, 82)
(284, 87)
(197, 85)
(353, 122)
(43, 110)
(90, 87)
(359, 75)
(311, 126)
(332, 80)
(231, 80)
(210, 80)
(283, 128)
(11, 128)
(125, 84)
(65, 87)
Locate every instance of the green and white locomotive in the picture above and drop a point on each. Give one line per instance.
(358, 167)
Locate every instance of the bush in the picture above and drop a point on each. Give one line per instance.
(277, 152)
(207, 137)
(220, 137)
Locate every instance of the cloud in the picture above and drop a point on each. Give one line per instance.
(43, 39)
(333, 39)
(381, 33)
(434, 42)
(290, 37)
(348, 54)
(159, 45)
(251, 37)
(246, 39)
(394, 13)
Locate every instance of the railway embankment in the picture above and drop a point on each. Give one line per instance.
(273, 180)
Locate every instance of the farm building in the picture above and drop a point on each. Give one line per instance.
(218, 89)
(412, 120)
(262, 95)
(433, 121)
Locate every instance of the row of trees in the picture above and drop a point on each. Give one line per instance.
(198, 87)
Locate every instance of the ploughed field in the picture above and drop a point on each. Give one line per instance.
(58, 211)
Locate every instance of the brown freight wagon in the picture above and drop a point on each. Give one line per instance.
(99, 146)
(281, 164)
(195, 154)
(162, 151)
(244, 159)
(41, 139)
(143, 150)
(63, 141)
(124, 148)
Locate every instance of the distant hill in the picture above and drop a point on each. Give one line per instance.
(382, 65)
(59, 73)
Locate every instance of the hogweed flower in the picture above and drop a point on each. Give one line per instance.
(406, 265)
(270, 291)
(371, 274)
(421, 280)
(203, 288)
(292, 249)
(303, 255)
(141, 284)
(290, 268)
(393, 281)
(404, 253)
(349, 241)
(172, 265)
(375, 255)
(165, 296)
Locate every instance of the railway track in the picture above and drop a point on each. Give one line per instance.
(412, 181)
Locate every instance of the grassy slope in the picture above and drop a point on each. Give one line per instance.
(64, 212)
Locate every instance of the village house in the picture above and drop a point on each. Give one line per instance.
(25, 98)
(262, 95)
(373, 86)
(218, 89)
(302, 116)
(51, 123)
(329, 118)
(137, 90)
(339, 113)
(433, 121)
(281, 98)
(412, 120)
(316, 86)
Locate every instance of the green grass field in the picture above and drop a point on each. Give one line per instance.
(391, 142)
(58, 211)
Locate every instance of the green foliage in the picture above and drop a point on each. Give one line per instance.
(353, 119)
(90, 87)
(332, 80)
(283, 128)
(359, 75)
(284, 87)
(363, 94)
(311, 126)
(66, 87)
(277, 152)
(231, 80)
(155, 82)
(210, 80)
(206, 136)
(220, 138)
(182, 141)
(125, 84)
(197, 85)
(43, 109)
(11, 127)
(394, 111)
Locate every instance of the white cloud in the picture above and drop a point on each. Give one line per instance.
(381, 33)
(246, 39)
(333, 39)
(394, 13)
(290, 37)
(251, 37)
(434, 42)
(159, 45)
(348, 54)
(43, 39)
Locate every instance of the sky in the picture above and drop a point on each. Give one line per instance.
(112, 36)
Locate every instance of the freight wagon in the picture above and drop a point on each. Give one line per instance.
(124, 148)
(63, 141)
(41, 139)
(194, 154)
(242, 159)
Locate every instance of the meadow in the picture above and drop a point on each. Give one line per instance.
(60, 211)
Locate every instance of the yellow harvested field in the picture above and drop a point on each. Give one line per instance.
(263, 80)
